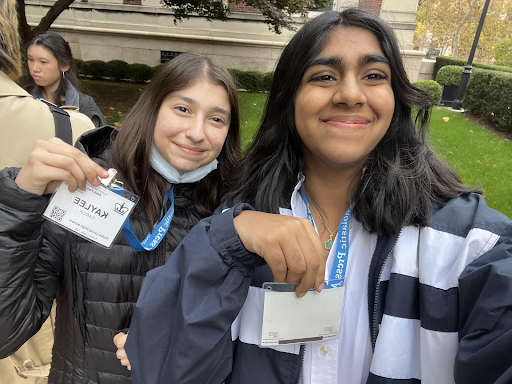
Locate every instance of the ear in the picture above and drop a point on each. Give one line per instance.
(64, 68)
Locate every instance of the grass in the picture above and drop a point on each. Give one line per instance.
(251, 110)
(481, 157)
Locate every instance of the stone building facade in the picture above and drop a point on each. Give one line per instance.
(143, 31)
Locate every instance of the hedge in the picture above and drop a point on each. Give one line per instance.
(488, 95)
(441, 61)
(433, 89)
(117, 69)
(450, 75)
(139, 73)
(252, 81)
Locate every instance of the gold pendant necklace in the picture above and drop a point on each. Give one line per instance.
(327, 244)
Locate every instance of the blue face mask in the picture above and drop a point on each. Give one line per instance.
(172, 175)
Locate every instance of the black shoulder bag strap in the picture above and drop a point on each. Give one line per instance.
(62, 120)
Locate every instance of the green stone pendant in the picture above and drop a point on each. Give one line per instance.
(328, 244)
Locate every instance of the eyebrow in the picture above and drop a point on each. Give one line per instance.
(336, 61)
(194, 102)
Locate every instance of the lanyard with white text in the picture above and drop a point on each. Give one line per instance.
(152, 239)
(339, 266)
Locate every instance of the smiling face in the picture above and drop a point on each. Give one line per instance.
(344, 103)
(44, 67)
(192, 125)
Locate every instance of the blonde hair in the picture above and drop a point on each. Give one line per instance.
(10, 52)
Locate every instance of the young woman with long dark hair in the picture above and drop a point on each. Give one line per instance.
(54, 76)
(179, 151)
(367, 210)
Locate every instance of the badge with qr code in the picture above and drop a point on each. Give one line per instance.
(96, 214)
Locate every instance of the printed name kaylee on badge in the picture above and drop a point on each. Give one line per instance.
(91, 208)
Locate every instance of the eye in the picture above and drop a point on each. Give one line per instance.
(218, 120)
(323, 77)
(376, 77)
(182, 109)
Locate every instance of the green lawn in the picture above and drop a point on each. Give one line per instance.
(481, 158)
(251, 109)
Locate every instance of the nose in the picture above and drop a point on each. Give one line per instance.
(34, 67)
(350, 91)
(195, 131)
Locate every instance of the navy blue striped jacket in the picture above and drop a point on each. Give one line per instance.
(442, 294)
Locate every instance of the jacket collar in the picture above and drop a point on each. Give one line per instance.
(10, 88)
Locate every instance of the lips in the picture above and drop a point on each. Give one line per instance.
(190, 150)
(347, 122)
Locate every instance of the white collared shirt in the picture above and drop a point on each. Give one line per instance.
(347, 359)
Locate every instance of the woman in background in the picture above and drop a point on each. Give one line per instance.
(50, 62)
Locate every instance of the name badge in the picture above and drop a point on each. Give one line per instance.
(290, 320)
(96, 214)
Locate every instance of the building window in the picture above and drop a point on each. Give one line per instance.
(132, 2)
(166, 56)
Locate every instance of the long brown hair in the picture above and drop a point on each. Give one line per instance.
(131, 150)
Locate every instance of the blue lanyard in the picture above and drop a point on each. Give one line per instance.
(339, 267)
(152, 239)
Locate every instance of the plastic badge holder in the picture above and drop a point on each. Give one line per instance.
(96, 214)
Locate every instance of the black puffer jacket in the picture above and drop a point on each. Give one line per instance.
(96, 288)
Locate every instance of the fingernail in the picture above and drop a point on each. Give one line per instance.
(300, 295)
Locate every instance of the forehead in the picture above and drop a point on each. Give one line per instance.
(40, 51)
(350, 43)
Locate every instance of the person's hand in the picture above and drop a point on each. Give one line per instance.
(289, 245)
(119, 341)
(52, 161)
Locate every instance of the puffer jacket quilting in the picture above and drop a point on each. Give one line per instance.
(96, 288)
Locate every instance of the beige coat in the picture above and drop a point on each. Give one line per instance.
(23, 120)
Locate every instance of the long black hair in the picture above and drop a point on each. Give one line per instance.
(403, 177)
(60, 49)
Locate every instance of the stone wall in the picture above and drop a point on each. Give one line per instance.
(143, 33)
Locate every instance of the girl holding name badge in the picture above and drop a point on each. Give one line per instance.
(342, 155)
(179, 151)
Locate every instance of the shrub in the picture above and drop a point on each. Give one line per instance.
(78, 64)
(433, 89)
(267, 81)
(488, 95)
(442, 61)
(94, 68)
(139, 73)
(155, 69)
(253, 81)
(116, 69)
(449, 75)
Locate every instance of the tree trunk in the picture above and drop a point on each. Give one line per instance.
(24, 29)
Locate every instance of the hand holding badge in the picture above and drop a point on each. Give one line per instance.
(96, 213)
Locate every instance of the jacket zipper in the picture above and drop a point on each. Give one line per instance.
(375, 320)
(301, 356)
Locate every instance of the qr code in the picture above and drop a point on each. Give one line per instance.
(57, 213)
